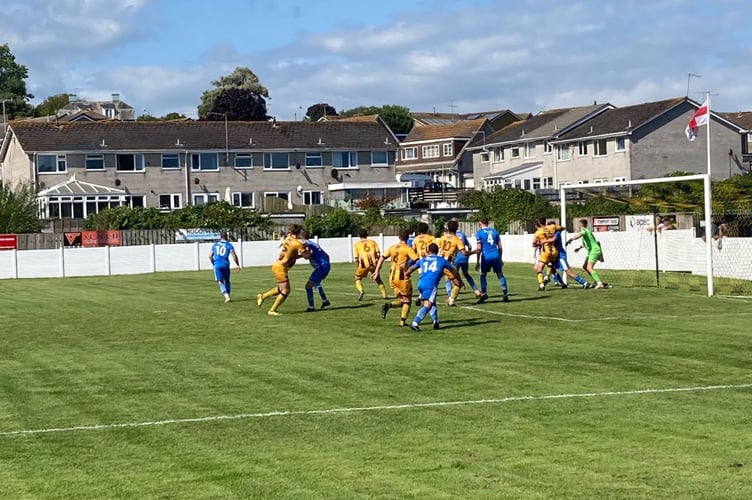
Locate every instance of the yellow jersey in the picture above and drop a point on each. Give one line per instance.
(421, 242)
(399, 255)
(366, 253)
(291, 249)
(449, 246)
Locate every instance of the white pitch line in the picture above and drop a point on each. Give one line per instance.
(355, 409)
(545, 318)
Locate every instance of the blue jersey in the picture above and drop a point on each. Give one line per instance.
(319, 257)
(221, 253)
(560, 245)
(431, 271)
(490, 240)
(460, 258)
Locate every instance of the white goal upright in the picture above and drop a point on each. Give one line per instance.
(654, 242)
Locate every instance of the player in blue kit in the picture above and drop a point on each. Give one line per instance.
(220, 259)
(489, 248)
(319, 259)
(432, 268)
(563, 264)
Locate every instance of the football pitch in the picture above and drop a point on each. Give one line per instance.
(150, 386)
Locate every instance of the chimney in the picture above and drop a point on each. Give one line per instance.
(115, 97)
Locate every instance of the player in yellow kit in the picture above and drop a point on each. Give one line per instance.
(450, 245)
(544, 240)
(422, 240)
(291, 250)
(400, 254)
(366, 254)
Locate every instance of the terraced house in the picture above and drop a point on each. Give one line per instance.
(81, 168)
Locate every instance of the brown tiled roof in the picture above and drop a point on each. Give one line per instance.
(464, 128)
(543, 125)
(357, 118)
(741, 118)
(622, 119)
(202, 135)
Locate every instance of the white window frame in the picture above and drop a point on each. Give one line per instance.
(620, 179)
(204, 197)
(243, 156)
(130, 200)
(447, 149)
(529, 150)
(547, 148)
(352, 159)
(307, 195)
(620, 144)
(269, 161)
(484, 157)
(375, 163)
(200, 155)
(597, 144)
(410, 153)
(59, 163)
(316, 159)
(562, 152)
(582, 148)
(600, 180)
(430, 151)
(170, 155)
(94, 157)
(139, 164)
(237, 199)
(498, 154)
(176, 201)
(515, 152)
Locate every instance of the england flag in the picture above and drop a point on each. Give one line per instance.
(698, 119)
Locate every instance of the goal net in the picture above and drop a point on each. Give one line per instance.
(654, 232)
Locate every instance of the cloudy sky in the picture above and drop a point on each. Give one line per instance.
(465, 55)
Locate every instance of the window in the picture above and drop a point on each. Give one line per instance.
(274, 194)
(380, 158)
(582, 148)
(94, 162)
(484, 156)
(600, 180)
(170, 162)
(51, 163)
(547, 148)
(526, 184)
(276, 161)
(537, 183)
(312, 197)
(129, 163)
(621, 144)
(170, 201)
(498, 153)
(313, 160)
(431, 151)
(243, 160)
(599, 147)
(345, 159)
(529, 150)
(204, 161)
(242, 199)
(447, 149)
(204, 198)
(410, 153)
(620, 179)
(137, 201)
(562, 152)
(515, 151)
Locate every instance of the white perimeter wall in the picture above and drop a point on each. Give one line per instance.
(678, 251)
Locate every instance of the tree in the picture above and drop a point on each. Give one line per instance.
(241, 78)
(174, 116)
(316, 111)
(238, 104)
(399, 118)
(146, 117)
(506, 205)
(361, 111)
(18, 209)
(13, 85)
(51, 105)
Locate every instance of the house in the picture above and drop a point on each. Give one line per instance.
(439, 151)
(644, 141)
(82, 167)
(114, 109)
(521, 154)
(497, 119)
(742, 119)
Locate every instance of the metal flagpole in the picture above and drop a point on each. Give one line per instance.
(708, 207)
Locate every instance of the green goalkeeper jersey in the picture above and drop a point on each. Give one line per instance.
(589, 241)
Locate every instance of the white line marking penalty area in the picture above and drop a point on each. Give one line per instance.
(356, 409)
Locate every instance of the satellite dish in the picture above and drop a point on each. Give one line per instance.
(299, 189)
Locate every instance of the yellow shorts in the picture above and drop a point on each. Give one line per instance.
(548, 256)
(402, 288)
(280, 272)
(362, 272)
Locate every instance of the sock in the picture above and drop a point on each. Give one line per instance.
(396, 303)
(309, 296)
(278, 302)
(483, 284)
(540, 278)
(579, 279)
(382, 289)
(359, 285)
(595, 276)
(449, 287)
(557, 278)
(405, 311)
(322, 293)
(421, 314)
(434, 312)
(503, 283)
(223, 288)
(455, 292)
(270, 293)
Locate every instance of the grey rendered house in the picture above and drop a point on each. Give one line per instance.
(645, 141)
(81, 168)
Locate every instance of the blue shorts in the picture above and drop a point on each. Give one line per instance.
(222, 274)
(487, 265)
(462, 266)
(427, 293)
(319, 273)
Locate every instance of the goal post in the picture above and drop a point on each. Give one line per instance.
(636, 252)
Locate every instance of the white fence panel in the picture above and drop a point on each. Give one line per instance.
(131, 260)
(85, 261)
(39, 264)
(178, 257)
(7, 264)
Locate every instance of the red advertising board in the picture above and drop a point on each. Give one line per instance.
(8, 242)
(100, 238)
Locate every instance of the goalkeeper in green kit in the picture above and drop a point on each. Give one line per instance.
(595, 254)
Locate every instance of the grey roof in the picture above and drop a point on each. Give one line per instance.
(513, 170)
(203, 135)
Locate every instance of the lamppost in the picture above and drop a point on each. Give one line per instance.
(227, 136)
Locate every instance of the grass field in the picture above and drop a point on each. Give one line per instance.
(150, 387)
